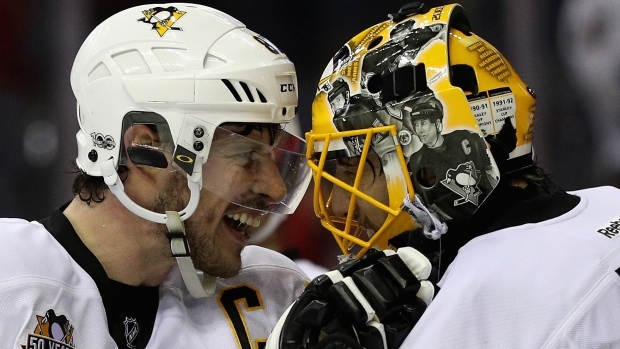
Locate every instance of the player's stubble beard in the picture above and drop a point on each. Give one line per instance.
(200, 229)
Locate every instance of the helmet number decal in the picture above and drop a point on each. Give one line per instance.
(185, 159)
(101, 141)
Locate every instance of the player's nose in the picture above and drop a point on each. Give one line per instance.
(338, 203)
(269, 182)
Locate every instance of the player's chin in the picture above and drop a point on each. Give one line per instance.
(225, 264)
(232, 261)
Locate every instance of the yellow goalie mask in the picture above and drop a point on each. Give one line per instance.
(402, 121)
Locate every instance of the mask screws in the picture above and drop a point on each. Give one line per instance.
(199, 132)
(198, 146)
(93, 156)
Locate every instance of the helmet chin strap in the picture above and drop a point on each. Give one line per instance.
(179, 246)
(180, 250)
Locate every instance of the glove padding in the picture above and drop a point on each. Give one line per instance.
(370, 302)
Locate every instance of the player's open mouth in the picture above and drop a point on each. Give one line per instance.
(239, 221)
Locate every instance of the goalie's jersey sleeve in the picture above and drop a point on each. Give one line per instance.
(46, 299)
(241, 313)
(553, 284)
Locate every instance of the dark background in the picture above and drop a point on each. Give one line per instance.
(39, 39)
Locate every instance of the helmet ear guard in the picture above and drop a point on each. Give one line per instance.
(146, 154)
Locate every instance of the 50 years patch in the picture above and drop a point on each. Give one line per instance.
(52, 331)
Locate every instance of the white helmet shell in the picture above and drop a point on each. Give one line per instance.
(175, 60)
(193, 66)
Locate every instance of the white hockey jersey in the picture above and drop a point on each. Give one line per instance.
(48, 301)
(553, 284)
(242, 312)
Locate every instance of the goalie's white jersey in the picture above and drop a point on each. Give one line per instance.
(553, 284)
(48, 301)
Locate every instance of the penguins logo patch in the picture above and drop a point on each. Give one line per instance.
(162, 19)
(51, 331)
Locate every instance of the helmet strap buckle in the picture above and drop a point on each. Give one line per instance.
(433, 228)
(180, 251)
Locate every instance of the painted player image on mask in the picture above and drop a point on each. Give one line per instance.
(448, 167)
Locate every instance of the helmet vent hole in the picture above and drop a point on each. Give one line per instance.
(283, 111)
(131, 63)
(171, 59)
(374, 84)
(232, 89)
(100, 71)
(426, 176)
(247, 91)
(261, 97)
(244, 92)
(212, 61)
(464, 77)
(374, 43)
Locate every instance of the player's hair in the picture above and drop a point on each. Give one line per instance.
(535, 177)
(339, 87)
(92, 188)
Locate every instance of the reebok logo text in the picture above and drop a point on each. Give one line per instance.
(611, 230)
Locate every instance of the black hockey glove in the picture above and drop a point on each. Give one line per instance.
(370, 302)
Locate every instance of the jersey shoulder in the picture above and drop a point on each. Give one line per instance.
(260, 257)
(576, 255)
(269, 272)
(30, 250)
(46, 298)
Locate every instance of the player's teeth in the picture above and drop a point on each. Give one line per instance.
(245, 219)
(256, 222)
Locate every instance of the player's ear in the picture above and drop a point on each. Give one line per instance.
(439, 125)
(140, 134)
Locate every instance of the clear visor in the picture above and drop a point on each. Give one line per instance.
(253, 165)
(264, 169)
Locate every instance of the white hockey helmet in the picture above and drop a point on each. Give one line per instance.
(189, 69)
(194, 66)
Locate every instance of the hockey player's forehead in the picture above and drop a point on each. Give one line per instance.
(348, 161)
(267, 134)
